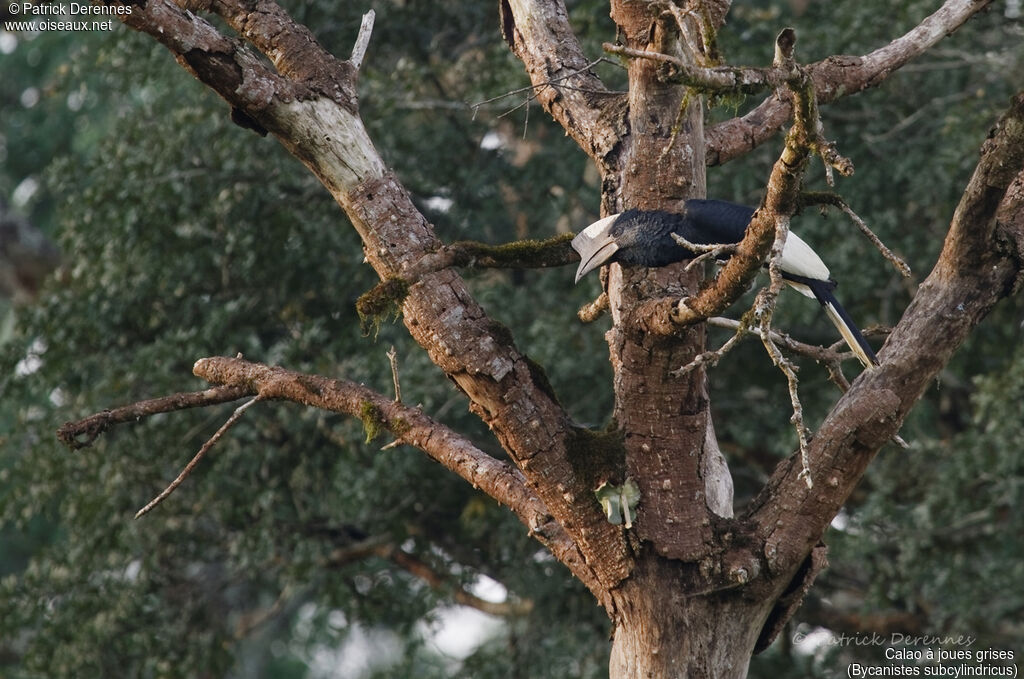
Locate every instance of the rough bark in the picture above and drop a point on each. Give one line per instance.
(314, 115)
(980, 264)
(665, 631)
(837, 76)
(688, 588)
(538, 32)
(663, 620)
(665, 418)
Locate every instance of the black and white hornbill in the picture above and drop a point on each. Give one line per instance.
(644, 238)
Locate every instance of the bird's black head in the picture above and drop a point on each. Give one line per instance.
(645, 238)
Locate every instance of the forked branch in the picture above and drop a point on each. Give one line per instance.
(239, 378)
(972, 274)
(782, 199)
(235, 416)
(835, 77)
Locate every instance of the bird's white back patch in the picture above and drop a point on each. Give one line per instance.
(799, 259)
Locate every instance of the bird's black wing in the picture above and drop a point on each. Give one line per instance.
(709, 222)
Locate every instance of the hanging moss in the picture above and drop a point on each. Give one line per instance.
(373, 420)
(731, 101)
(384, 300)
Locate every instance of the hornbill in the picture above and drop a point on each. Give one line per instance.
(644, 238)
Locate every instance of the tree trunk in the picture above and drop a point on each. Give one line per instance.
(664, 626)
(689, 589)
(664, 633)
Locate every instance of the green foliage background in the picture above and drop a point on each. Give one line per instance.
(185, 236)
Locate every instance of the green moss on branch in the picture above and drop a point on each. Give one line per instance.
(373, 420)
(384, 300)
(520, 254)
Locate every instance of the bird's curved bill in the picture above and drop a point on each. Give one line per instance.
(598, 257)
(595, 245)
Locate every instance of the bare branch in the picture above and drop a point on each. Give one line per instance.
(711, 251)
(713, 357)
(381, 547)
(831, 357)
(287, 601)
(813, 351)
(539, 33)
(410, 425)
(591, 312)
(393, 360)
(826, 198)
(235, 416)
(970, 277)
(362, 40)
(764, 309)
(84, 432)
(713, 80)
(711, 248)
(423, 571)
(240, 378)
(835, 77)
(500, 480)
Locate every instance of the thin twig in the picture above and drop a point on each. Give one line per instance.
(527, 88)
(700, 259)
(720, 248)
(711, 80)
(535, 89)
(825, 355)
(713, 357)
(893, 258)
(713, 250)
(235, 416)
(764, 309)
(83, 433)
(789, 370)
(393, 359)
(362, 40)
(833, 199)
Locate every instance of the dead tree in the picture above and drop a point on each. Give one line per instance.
(691, 589)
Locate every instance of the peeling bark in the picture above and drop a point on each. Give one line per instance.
(690, 589)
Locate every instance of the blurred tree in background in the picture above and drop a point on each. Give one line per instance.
(298, 541)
